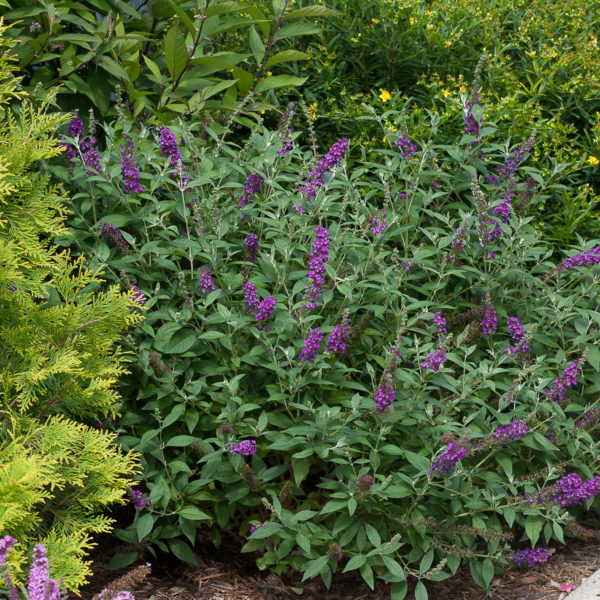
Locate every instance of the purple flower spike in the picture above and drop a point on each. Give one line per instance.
(365, 482)
(265, 308)
(489, 321)
(435, 360)
(206, 282)
(6, 543)
(379, 224)
(129, 170)
(91, 158)
(253, 528)
(385, 393)
(316, 271)
(585, 259)
(170, 149)
(316, 178)
(440, 324)
(503, 211)
(245, 447)
(113, 234)
(566, 380)
(251, 245)
(406, 147)
(338, 336)
(40, 586)
(511, 432)
(530, 556)
(251, 296)
(312, 345)
(251, 187)
(453, 454)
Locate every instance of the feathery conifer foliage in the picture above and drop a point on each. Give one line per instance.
(59, 361)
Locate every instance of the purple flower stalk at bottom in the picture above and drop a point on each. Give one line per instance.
(312, 345)
(112, 233)
(129, 170)
(385, 393)
(515, 329)
(435, 360)
(488, 322)
(6, 543)
(530, 556)
(253, 528)
(251, 296)
(316, 178)
(518, 156)
(568, 490)
(585, 259)
(251, 187)
(245, 447)
(206, 282)
(379, 224)
(566, 380)
(316, 271)
(40, 586)
(298, 208)
(509, 433)
(139, 500)
(406, 146)
(265, 308)
(444, 463)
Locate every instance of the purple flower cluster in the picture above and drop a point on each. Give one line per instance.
(251, 245)
(312, 345)
(286, 129)
(170, 149)
(444, 463)
(315, 178)
(517, 157)
(440, 324)
(518, 335)
(316, 271)
(40, 586)
(530, 556)
(338, 336)
(585, 259)
(509, 433)
(253, 528)
(435, 360)
(298, 208)
(251, 187)
(379, 223)
(206, 282)
(129, 170)
(458, 241)
(251, 296)
(139, 500)
(568, 490)
(589, 419)
(6, 543)
(472, 125)
(113, 234)
(566, 380)
(91, 158)
(74, 130)
(245, 447)
(265, 308)
(489, 321)
(385, 393)
(503, 211)
(406, 146)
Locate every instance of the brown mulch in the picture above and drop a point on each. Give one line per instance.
(225, 574)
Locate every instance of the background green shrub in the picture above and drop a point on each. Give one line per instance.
(209, 377)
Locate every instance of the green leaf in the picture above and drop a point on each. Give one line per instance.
(296, 29)
(394, 567)
(144, 525)
(418, 461)
(112, 67)
(185, 18)
(120, 560)
(300, 468)
(182, 551)
(533, 527)
(175, 52)
(313, 567)
(367, 575)
(181, 342)
(487, 572)
(279, 81)
(153, 68)
(174, 415)
(193, 513)
(304, 543)
(285, 56)
(421, 591)
(399, 590)
(316, 10)
(180, 441)
(355, 563)
(256, 45)
(373, 535)
(267, 530)
(352, 504)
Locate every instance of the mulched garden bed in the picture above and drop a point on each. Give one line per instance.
(225, 574)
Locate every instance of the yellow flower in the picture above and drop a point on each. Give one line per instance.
(269, 73)
(447, 44)
(463, 89)
(593, 160)
(430, 25)
(262, 112)
(445, 92)
(312, 114)
(375, 21)
(411, 20)
(384, 96)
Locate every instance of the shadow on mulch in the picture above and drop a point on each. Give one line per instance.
(225, 574)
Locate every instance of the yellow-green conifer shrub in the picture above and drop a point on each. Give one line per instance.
(59, 358)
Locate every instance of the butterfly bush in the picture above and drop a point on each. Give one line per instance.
(351, 388)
